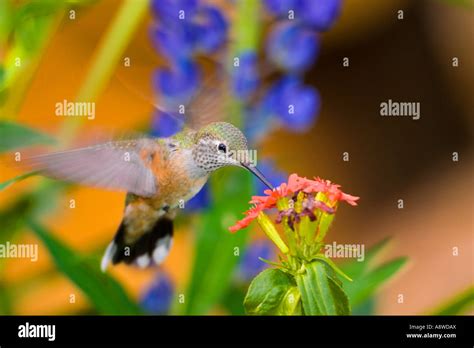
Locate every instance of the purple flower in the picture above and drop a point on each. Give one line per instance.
(250, 265)
(321, 14)
(245, 76)
(176, 40)
(157, 298)
(173, 10)
(317, 14)
(296, 105)
(292, 46)
(202, 32)
(211, 29)
(177, 84)
(280, 7)
(166, 124)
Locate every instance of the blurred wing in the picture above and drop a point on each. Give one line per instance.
(114, 165)
(208, 104)
(210, 101)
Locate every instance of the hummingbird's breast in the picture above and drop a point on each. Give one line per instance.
(176, 180)
(176, 183)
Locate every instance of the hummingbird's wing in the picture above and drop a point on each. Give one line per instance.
(120, 165)
(208, 103)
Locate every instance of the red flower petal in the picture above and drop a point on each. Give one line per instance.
(334, 193)
(252, 214)
(295, 184)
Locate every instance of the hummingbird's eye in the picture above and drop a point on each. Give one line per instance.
(222, 148)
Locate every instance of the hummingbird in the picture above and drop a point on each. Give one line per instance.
(158, 174)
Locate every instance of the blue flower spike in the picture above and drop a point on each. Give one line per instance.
(179, 83)
(320, 16)
(245, 76)
(202, 30)
(292, 46)
(212, 28)
(176, 41)
(158, 297)
(185, 29)
(280, 7)
(172, 10)
(295, 104)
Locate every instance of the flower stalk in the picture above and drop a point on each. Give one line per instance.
(321, 294)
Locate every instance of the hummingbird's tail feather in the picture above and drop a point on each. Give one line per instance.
(108, 255)
(149, 249)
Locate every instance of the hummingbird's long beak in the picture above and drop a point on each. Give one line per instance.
(258, 174)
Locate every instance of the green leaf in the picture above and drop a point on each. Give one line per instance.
(9, 182)
(6, 14)
(28, 205)
(333, 266)
(12, 218)
(360, 289)
(320, 293)
(459, 304)
(365, 284)
(273, 292)
(104, 292)
(215, 247)
(30, 23)
(39, 202)
(5, 301)
(355, 269)
(13, 136)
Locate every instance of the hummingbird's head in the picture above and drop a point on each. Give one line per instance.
(221, 144)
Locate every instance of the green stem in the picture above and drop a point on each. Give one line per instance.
(108, 55)
(321, 294)
(247, 33)
(247, 26)
(308, 294)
